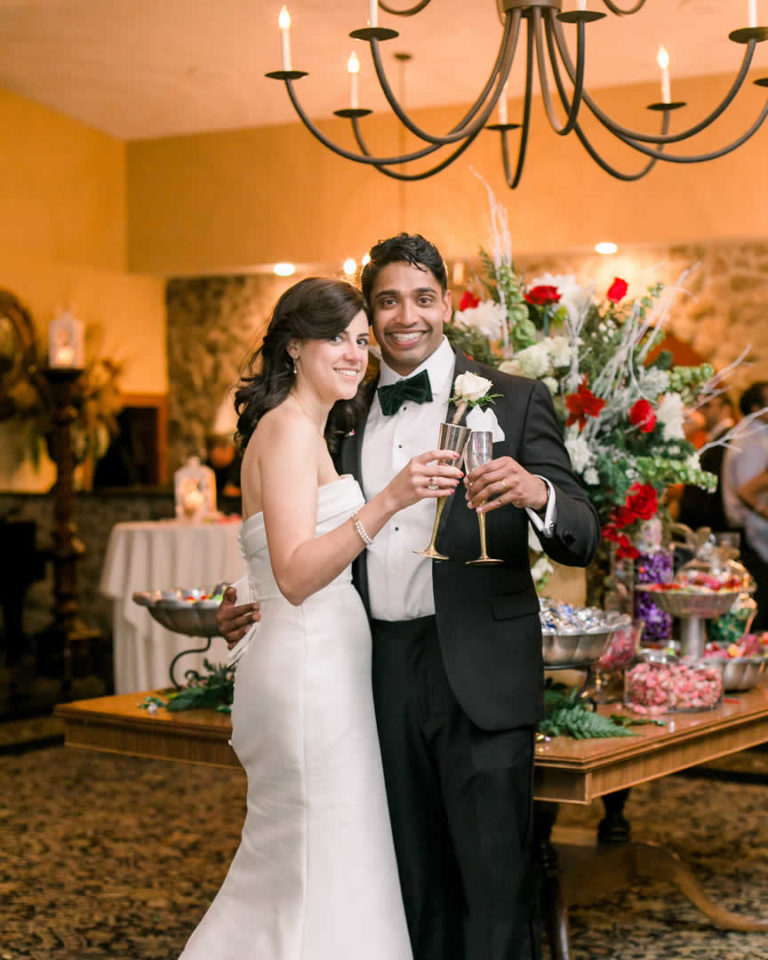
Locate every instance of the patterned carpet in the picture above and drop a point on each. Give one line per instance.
(112, 857)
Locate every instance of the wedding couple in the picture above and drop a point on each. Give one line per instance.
(404, 833)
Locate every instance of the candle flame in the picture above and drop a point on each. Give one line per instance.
(353, 64)
(285, 19)
(662, 58)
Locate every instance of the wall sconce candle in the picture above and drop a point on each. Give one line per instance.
(752, 13)
(373, 13)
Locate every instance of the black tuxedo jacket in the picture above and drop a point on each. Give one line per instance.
(488, 617)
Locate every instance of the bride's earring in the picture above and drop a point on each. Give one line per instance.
(295, 367)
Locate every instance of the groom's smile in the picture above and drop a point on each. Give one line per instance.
(409, 310)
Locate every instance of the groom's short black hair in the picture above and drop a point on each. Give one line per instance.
(404, 248)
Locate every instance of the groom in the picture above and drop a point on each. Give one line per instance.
(457, 667)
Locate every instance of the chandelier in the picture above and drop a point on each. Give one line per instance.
(547, 52)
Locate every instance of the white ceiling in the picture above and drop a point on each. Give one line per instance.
(150, 68)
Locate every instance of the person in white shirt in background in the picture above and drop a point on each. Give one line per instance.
(745, 491)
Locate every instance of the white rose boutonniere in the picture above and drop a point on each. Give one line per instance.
(469, 390)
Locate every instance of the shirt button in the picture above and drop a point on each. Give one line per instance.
(399, 446)
(397, 528)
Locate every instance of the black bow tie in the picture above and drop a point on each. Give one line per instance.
(416, 388)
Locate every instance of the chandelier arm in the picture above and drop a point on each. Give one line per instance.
(712, 155)
(615, 9)
(411, 11)
(347, 154)
(613, 171)
(467, 125)
(572, 108)
(635, 135)
(608, 168)
(381, 167)
(513, 181)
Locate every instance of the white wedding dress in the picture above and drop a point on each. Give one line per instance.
(315, 876)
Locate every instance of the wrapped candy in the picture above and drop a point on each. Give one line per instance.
(663, 684)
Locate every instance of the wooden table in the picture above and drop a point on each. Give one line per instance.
(567, 771)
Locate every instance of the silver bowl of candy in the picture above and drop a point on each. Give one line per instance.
(680, 602)
(743, 661)
(190, 611)
(576, 636)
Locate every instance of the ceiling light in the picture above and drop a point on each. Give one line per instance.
(606, 247)
(350, 267)
(366, 259)
(284, 269)
(545, 54)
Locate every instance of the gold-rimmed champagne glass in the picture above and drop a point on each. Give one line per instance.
(479, 451)
(452, 437)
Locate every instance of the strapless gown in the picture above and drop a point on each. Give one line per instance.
(314, 877)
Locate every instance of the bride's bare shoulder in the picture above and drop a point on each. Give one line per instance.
(282, 426)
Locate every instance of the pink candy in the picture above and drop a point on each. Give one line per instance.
(657, 687)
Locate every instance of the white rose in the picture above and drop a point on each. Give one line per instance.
(470, 387)
(534, 361)
(487, 317)
(670, 415)
(511, 366)
(551, 384)
(591, 477)
(579, 452)
(560, 351)
(541, 570)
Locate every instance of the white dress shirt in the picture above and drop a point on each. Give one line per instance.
(400, 581)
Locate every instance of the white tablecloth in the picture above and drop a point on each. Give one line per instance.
(160, 556)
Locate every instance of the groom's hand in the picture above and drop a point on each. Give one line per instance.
(503, 481)
(234, 621)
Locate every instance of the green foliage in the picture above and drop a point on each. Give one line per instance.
(211, 691)
(568, 715)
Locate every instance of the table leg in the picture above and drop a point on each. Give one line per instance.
(614, 828)
(553, 909)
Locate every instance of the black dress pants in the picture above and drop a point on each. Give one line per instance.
(460, 801)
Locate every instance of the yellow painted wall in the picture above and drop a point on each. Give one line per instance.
(219, 201)
(63, 244)
(63, 236)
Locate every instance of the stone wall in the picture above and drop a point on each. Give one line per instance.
(214, 325)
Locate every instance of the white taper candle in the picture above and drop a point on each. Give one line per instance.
(285, 30)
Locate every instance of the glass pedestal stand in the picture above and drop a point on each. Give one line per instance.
(692, 609)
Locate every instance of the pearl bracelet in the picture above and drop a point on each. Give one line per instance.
(362, 532)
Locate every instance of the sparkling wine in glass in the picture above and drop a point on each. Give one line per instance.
(479, 450)
(452, 437)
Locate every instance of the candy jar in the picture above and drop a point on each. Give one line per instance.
(661, 682)
(733, 625)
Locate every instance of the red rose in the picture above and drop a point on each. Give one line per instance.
(581, 405)
(617, 290)
(642, 416)
(643, 501)
(624, 516)
(542, 295)
(468, 300)
(626, 549)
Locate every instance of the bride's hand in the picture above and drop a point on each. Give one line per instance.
(425, 477)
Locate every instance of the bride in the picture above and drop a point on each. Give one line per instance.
(315, 876)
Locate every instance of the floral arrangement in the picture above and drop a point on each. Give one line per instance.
(621, 402)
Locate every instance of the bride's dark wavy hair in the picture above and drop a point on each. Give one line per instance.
(312, 309)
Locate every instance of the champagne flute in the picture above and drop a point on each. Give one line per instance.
(479, 451)
(452, 437)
